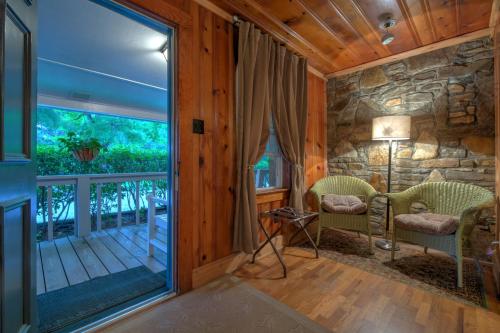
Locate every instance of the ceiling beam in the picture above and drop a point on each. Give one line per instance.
(379, 48)
(494, 16)
(403, 7)
(228, 17)
(428, 17)
(326, 27)
(333, 6)
(215, 9)
(411, 53)
(288, 30)
(457, 17)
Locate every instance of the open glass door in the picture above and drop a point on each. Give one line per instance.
(105, 232)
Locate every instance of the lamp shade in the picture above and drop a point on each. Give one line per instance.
(391, 128)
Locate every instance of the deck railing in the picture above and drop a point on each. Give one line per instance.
(82, 187)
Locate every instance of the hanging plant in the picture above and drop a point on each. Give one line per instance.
(84, 150)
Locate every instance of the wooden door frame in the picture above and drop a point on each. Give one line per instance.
(183, 106)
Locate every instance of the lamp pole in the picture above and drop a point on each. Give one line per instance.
(388, 206)
(386, 244)
(389, 128)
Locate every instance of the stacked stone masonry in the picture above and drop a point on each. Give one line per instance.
(449, 95)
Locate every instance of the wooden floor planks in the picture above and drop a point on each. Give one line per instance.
(91, 262)
(40, 283)
(71, 263)
(70, 260)
(346, 299)
(55, 277)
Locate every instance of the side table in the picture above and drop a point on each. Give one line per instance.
(283, 216)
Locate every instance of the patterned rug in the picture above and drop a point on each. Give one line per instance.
(433, 272)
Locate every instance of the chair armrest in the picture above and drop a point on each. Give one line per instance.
(400, 202)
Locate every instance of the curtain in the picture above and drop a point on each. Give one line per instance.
(253, 103)
(289, 108)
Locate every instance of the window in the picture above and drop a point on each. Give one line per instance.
(269, 170)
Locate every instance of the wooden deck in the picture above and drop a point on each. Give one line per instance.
(68, 261)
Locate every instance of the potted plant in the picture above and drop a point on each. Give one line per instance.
(84, 150)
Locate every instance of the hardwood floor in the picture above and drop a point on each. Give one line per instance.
(70, 260)
(346, 299)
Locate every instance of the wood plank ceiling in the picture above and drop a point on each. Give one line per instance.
(340, 34)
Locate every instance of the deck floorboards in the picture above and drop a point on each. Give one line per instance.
(69, 260)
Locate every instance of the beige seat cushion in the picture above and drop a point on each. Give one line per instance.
(428, 223)
(343, 204)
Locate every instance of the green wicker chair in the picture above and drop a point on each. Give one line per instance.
(462, 200)
(344, 185)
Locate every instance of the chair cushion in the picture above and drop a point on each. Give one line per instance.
(343, 204)
(428, 223)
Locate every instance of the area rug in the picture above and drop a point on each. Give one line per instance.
(62, 308)
(433, 272)
(227, 305)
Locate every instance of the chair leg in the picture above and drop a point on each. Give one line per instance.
(318, 234)
(393, 244)
(425, 249)
(460, 272)
(370, 241)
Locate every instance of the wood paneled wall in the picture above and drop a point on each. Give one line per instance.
(214, 174)
(316, 163)
(205, 90)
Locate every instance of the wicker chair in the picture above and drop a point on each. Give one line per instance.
(456, 199)
(344, 185)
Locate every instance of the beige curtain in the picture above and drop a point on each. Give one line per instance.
(253, 102)
(289, 107)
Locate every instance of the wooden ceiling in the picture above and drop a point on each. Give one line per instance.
(339, 34)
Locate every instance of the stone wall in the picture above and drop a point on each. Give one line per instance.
(448, 93)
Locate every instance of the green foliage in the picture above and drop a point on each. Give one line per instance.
(132, 146)
(54, 161)
(73, 142)
(263, 164)
(110, 131)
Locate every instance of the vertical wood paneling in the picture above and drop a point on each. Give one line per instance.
(223, 73)
(205, 69)
(315, 168)
(215, 70)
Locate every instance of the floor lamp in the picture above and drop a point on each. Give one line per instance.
(390, 128)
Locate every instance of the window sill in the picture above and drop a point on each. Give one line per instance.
(263, 191)
(271, 195)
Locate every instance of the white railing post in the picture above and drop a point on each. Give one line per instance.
(50, 215)
(151, 223)
(119, 198)
(83, 225)
(137, 203)
(99, 207)
(154, 188)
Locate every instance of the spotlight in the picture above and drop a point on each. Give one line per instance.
(386, 22)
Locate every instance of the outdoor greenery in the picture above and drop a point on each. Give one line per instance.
(128, 146)
(73, 142)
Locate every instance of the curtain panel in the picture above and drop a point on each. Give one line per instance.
(253, 103)
(289, 110)
(269, 80)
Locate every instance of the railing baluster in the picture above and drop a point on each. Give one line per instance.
(99, 207)
(119, 198)
(154, 187)
(50, 215)
(137, 203)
